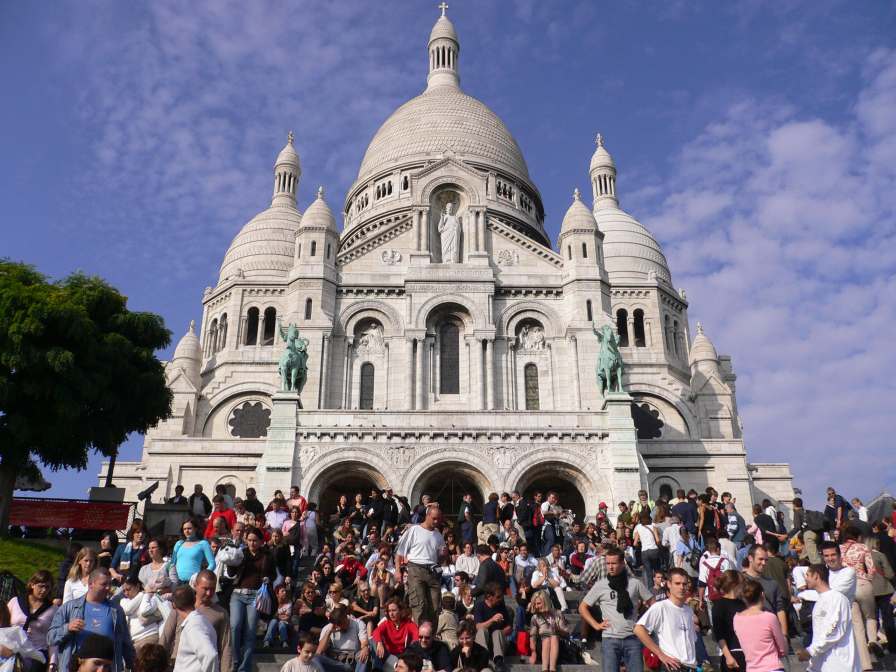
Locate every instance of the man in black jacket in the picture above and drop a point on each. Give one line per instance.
(200, 505)
(525, 510)
(490, 572)
(375, 511)
(431, 649)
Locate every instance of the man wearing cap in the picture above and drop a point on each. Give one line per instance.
(92, 613)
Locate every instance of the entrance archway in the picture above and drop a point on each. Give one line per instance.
(447, 484)
(345, 478)
(565, 480)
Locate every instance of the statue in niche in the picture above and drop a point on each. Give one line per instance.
(609, 361)
(293, 364)
(371, 338)
(531, 337)
(449, 234)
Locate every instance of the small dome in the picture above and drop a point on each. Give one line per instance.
(264, 247)
(703, 351)
(188, 348)
(443, 28)
(288, 154)
(318, 214)
(601, 157)
(578, 216)
(631, 253)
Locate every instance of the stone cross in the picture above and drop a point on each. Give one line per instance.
(290, 137)
(443, 6)
(599, 140)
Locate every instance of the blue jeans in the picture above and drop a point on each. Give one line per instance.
(243, 624)
(548, 541)
(277, 627)
(650, 560)
(327, 664)
(615, 651)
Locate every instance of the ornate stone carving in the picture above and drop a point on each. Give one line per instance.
(507, 257)
(531, 337)
(609, 361)
(391, 257)
(402, 456)
(502, 457)
(449, 231)
(307, 454)
(293, 365)
(371, 338)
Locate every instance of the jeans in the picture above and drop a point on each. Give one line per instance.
(651, 562)
(327, 664)
(616, 651)
(243, 624)
(277, 627)
(549, 539)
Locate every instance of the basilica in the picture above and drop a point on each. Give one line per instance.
(451, 344)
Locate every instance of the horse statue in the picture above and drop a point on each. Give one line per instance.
(609, 361)
(293, 366)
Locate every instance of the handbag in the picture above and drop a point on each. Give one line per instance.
(263, 602)
(522, 643)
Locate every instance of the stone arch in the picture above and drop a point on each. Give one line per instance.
(648, 390)
(657, 482)
(422, 318)
(343, 476)
(447, 481)
(563, 463)
(450, 460)
(513, 314)
(222, 405)
(238, 485)
(447, 177)
(386, 314)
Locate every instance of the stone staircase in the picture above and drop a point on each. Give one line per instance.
(271, 660)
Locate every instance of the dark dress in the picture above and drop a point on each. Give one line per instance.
(723, 611)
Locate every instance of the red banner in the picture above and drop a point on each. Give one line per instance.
(65, 513)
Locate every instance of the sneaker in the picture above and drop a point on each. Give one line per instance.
(876, 649)
(588, 659)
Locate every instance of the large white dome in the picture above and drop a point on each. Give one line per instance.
(630, 251)
(265, 246)
(440, 119)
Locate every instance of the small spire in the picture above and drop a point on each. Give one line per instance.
(443, 6)
(599, 140)
(192, 326)
(320, 193)
(290, 137)
(699, 329)
(576, 194)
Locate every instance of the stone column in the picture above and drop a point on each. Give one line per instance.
(324, 372)
(490, 373)
(418, 228)
(622, 446)
(437, 366)
(274, 470)
(576, 384)
(259, 332)
(426, 232)
(409, 404)
(482, 246)
(418, 375)
(386, 357)
(347, 375)
(631, 332)
(241, 332)
(648, 333)
(513, 382)
(550, 347)
(480, 373)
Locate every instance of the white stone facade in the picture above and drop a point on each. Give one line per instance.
(483, 368)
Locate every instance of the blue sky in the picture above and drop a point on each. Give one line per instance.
(756, 139)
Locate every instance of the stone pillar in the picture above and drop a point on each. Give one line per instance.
(482, 246)
(427, 247)
(437, 366)
(418, 375)
(490, 373)
(648, 333)
(386, 357)
(480, 374)
(622, 447)
(409, 404)
(324, 372)
(275, 469)
(418, 228)
(631, 332)
(259, 333)
(576, 384)
(477, 241)
(347, 375)
(513, 381)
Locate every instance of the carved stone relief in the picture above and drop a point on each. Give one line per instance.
(391, 257)
(508, 257)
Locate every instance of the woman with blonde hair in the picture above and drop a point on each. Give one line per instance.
(546, 578)
(76, 583)
(545, 630)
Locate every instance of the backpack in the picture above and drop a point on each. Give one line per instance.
(694, 558)
(815, 521)
(714, 573)
(537, 517)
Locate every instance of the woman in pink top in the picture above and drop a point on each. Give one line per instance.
(759, 632)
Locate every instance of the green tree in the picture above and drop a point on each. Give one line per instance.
(78, 372)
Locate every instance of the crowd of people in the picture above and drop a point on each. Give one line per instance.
(379, 585)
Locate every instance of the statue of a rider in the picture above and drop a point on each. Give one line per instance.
(609, 361)
(293, 366)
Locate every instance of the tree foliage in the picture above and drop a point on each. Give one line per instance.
(78, 371)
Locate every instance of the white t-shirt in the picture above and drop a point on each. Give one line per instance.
(420, 546)
(198, 648)
(674, 630)
(844, 581)
(863, 514)
(833, 647)
(671, 537)
(709, 562)
(799, 581)
(645, 534)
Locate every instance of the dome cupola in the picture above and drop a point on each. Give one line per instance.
(578, 217)
(318, 215)
(188, 354)
(703, 355)
(287, 171)
(444, 49)
(603, 176)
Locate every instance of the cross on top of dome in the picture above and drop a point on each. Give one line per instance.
(599, 140)
(290, 137)
(443, 6)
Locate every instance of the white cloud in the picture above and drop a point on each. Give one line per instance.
(781, 227)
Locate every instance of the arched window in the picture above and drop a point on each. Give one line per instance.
(222, 333)
(675, 337)
(366, 401)
(212, 338)
(588, 310)
(530, 377)
(299, 252)
(270, 326)
(622, 327)
(667, 333)
(640, 340)
(307, 309)
(313, 247)
(251, 336)
(666, 492)
(569, 251)
(328, 250)
(584, 250)
(449, 358)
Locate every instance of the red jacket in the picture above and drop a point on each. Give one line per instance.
(395, 640)
(227, 515)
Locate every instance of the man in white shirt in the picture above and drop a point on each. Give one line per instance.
(197, 649)
(671, 536)
(833, 647)
(843, 580)
(673, 622)
(711, 561)
(419, 547)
